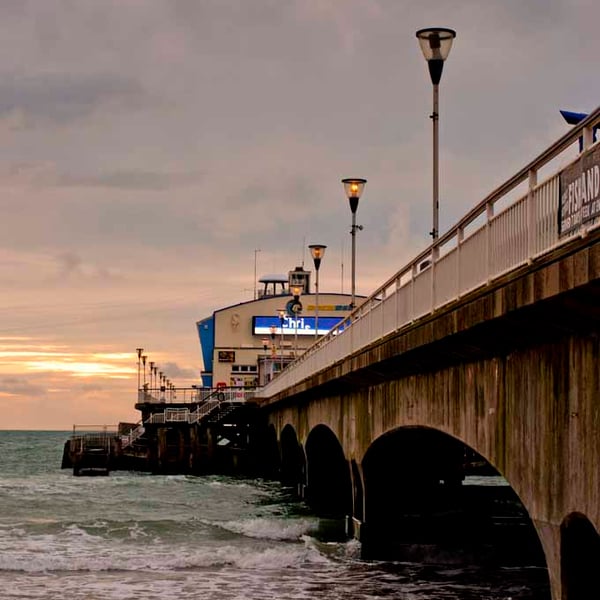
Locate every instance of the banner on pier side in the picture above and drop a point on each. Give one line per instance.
(579, 199)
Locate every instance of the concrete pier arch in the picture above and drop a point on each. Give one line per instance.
(329, 486)
(431, 498)
(293, 466)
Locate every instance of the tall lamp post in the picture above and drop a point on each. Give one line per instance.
(435, 44)
(317, 251)
(354, 189)
(139, 355)
(297, 310)
(151, 363)
(281, 313)
(144, 358)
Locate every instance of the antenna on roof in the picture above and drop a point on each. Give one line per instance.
(256, 251)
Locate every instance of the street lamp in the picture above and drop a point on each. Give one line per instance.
(317, 251)
(151, 363)
(354, 189)
(297, 310)
(281, 313)
(139, 355)
(144, 357)
(435, 44)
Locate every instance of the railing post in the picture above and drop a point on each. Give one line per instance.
(588, 137)
(435, 253)
(489, 213)
(531, 215)
(383, 296)
(413, 274)
(396, 303)
(460, 236)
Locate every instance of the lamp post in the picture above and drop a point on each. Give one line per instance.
(281, 313)
(139, 355)
(354, 189)
(435, 44)
(151, 363)
(144, 357)
(297, 310)
(317, 251)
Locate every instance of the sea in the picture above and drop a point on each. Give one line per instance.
(139, 536)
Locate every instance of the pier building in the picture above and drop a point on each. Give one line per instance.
(247, 344)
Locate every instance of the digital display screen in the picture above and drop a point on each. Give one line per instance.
(303, 325)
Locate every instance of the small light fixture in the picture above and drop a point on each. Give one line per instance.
(317, 252)
(354, 188)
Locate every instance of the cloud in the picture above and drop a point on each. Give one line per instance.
(65, 97)
(132, 180)
(174, 371)
(15, 386)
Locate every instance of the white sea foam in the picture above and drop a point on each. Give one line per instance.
(48, 554)
(270, 529)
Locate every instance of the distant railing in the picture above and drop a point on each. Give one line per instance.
(136, 433)
(92, 436)
(182, 395)
(213, 398)
(485, 244)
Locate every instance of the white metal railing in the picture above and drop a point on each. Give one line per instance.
(92, 436)
(177, 395)
(212, 398)
(133, 435)
(204, 410)
(481, 247)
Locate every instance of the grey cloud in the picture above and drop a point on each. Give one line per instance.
(173, 370)
(69, 263)
(62, 97)
(20, 387)
(131, 180)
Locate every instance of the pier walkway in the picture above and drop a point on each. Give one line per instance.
(488, 342)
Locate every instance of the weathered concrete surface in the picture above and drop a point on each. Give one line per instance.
(512, 371)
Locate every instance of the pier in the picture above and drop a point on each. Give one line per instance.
(215, 431)
(480, 353)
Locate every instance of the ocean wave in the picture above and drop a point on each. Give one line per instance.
(33, 558)
(270, 529)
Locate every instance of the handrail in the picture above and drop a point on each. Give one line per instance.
(180, 394)
(134, 434)
(516, 235)
(214, 398)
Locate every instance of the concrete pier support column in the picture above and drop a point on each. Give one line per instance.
(550, 539)
(182, 460)
(357, 517)
(195, 452)
(211, 446)
(161, 449)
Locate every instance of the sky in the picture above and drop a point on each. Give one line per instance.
(154, 152)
